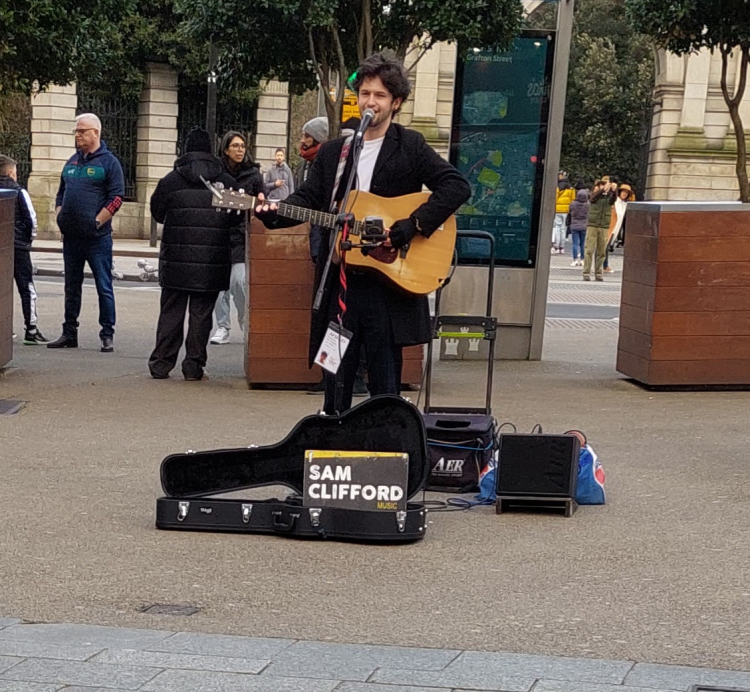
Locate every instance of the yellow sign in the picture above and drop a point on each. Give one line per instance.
(349, 109)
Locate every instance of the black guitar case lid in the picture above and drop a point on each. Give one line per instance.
(380, 424)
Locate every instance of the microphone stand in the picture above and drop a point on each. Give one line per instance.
(342, 220)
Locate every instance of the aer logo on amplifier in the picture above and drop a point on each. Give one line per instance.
(449, 467)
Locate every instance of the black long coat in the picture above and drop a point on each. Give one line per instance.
(195, 245)
(405, 164)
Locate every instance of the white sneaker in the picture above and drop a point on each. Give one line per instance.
(221, 336)
(574, 263)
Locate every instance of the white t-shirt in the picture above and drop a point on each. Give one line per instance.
(367, 159)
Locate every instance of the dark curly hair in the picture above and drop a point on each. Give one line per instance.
(391, 72)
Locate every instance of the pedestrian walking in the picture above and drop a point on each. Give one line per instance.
(278, 179)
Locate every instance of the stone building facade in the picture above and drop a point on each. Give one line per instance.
(52, 143)
(692, 151)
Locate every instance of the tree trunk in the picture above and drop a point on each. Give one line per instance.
(733, 104)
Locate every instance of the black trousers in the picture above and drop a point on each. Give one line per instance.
(23, 273)
(368, 320)
(170, 332)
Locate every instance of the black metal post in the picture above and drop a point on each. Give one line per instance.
(213, 59)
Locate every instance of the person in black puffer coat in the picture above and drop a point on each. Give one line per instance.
(194, 259)
(238, 164)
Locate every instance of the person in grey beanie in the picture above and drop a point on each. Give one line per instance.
(314, 133)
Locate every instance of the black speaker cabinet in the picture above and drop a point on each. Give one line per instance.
(537, 472)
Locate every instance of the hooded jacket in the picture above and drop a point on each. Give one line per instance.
(195, 253)
(248, 178)
(25, 218)
(579, 211)
(88, 184)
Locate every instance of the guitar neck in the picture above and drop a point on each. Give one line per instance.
(318, 218)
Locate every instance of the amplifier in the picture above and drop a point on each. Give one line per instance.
(537, 471)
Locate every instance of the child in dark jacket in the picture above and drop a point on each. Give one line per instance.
(579, 219)
(25, 230)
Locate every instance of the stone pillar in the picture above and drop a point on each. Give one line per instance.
(272, 122)
(52, 143)
(157, 136)
(424, 118)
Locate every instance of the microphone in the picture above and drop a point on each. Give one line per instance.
(364, 123)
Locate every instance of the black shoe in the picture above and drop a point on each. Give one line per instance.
(159, 376)
(107, 345)
(33, 336)
(64, 341)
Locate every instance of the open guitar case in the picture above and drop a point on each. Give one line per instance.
(385, 423)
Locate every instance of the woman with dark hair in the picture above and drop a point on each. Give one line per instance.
(238, 164)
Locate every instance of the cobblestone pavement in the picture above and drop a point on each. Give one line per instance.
(84, 658)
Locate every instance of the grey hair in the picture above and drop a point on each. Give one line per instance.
(91, 117)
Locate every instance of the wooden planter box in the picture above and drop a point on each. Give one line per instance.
(685, 314)
(280, 290)
(7, 214)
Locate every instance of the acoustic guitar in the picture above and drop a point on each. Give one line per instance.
(420, 268)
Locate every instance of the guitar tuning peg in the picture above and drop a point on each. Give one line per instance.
(219, 186)
(241, 191)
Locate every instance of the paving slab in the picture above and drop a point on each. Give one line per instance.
(7, 662)
(201, 681)
(466, 679)
(222, 645)
(374, 687)
(84, 635)
(352, 662)
(7, 622)
(571, 686)
(36, 687)
(581, 669)
(33, 649)
(78, 673)
(681, 677)
(159, 659)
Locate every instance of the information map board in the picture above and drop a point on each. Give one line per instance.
(499, 138)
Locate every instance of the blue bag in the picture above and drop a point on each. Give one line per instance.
(590, 487)
(487, 491)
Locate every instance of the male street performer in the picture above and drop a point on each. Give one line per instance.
(394, 162)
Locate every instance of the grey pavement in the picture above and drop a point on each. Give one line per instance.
(655, 578)
(120, 659)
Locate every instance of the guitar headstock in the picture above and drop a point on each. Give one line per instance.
(233, 200)
(227, 198)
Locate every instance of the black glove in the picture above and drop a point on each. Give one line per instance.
(267, 218)
(402, 232)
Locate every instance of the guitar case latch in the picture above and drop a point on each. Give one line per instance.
(315, 516)
(401, 521)
(182, 510)
(247, 511)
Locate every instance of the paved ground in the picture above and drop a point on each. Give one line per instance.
(75, 658)
(656, 576)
